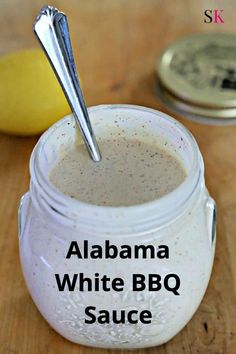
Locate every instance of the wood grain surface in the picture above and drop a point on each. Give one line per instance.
(116, 46)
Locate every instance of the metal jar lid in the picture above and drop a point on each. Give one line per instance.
(199, 72)
(215, 116)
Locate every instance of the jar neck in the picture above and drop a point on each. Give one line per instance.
(117, 221)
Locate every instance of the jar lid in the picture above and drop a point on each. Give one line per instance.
(201, 71)
(201, 114)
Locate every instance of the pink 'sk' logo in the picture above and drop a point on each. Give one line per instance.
(213, 16)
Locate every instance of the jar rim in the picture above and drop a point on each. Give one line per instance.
(138, 218)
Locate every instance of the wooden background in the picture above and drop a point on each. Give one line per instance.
(116, 46)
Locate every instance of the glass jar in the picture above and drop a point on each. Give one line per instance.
(183, 220)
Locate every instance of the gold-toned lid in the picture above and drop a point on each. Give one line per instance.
(194, 112)
(201, 70)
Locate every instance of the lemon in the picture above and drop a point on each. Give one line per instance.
(31, 98)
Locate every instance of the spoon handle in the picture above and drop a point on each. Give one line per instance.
(52, 31)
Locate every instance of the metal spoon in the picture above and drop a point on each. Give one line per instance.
(52, 31)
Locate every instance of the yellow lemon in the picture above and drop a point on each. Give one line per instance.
(31, 98)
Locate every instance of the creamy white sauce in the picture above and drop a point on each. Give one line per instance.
(131, 172)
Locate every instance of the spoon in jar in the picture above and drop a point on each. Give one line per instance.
(52, 31)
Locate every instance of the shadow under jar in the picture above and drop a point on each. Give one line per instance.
(183, 220)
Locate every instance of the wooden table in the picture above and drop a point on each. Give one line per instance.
(118, 43)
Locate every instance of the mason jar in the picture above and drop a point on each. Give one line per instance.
(183, 220)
